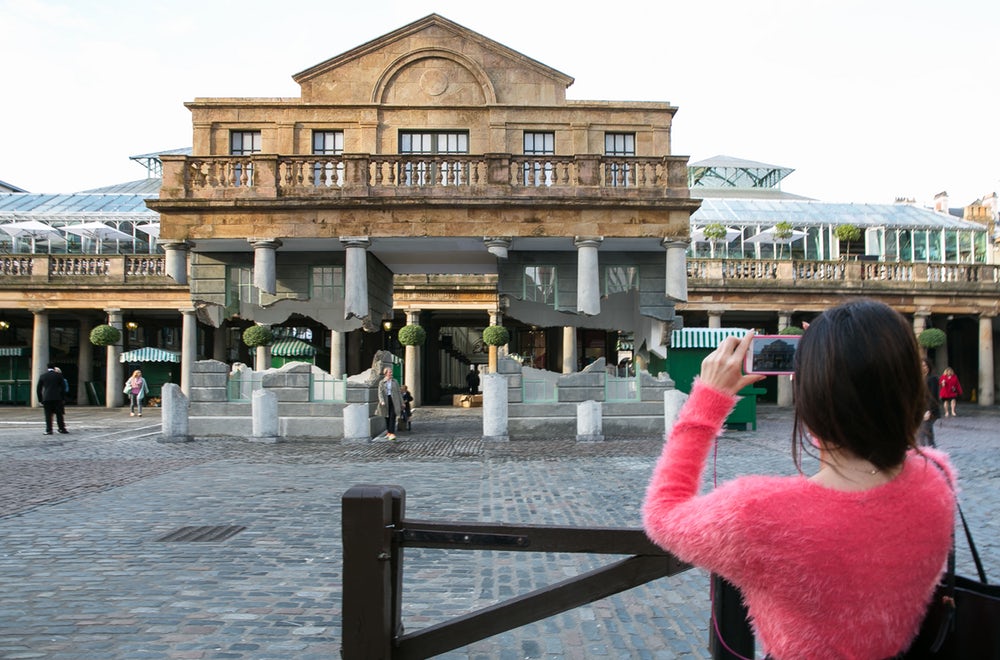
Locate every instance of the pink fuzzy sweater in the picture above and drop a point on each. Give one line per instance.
(824, 573)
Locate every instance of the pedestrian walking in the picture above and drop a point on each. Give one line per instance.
(390, 402)
(51, 391)
(796, 546)
(136, 389)
(925, 434)
(949, 389)
(407, 415)
(472, 380)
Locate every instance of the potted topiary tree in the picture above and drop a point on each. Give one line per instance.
(259, 337)
(782, 232)
(105, 335)
(714, 232)
(847, 233)
(412, 335)
(791, 330)
(493, 336)
(932, 338)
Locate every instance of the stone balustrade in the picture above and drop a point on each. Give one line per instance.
(419, 175)
(98, 269)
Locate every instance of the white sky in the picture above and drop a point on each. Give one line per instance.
(867, 100)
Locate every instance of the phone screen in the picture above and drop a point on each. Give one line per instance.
(772, 354)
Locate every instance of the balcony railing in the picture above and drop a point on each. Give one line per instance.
(104, 269)
(842, 273)
(394, 175)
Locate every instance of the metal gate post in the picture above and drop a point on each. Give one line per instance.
(730, 623)
(371, 606)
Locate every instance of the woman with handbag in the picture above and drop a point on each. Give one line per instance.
(136, 389)
(843, 563)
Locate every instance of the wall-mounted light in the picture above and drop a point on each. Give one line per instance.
(132, 325)
(387, 325)
(4, 325)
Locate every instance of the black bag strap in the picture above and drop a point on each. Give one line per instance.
(972, 545)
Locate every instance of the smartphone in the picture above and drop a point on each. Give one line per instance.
(772, 354)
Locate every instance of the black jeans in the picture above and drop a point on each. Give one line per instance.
(390, 417)
(54, 408)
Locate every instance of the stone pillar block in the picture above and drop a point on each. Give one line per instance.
(673, 401)
(357, 427)
(174, 414)
(495, 422)
(589, 421)
(264, 410)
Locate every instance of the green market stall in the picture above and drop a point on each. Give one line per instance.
(159, 366)
(288, 350)
(688, 347)
(15, 374)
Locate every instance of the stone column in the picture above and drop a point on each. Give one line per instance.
(39, 350)
(920, 322)
(569, 356)
(588, 276)
(356, 276)
(495, 407)
(177, 260)
(941, 352)
(264, 269)
(412, 374)
(189, 348)
(85, 362)
(785, 397)
(676, 286)
(338, 353)
(986, 384)
(714, 319)
(113, 378)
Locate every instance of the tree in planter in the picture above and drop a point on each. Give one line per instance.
(714, 232)
(259, 337)
(412, 335)
(493, 336)
(847, 234)
(932, 338)
(782, 232)
(791, 330)
(105, 335)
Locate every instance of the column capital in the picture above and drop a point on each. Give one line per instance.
(271, 243)
(356, 242)
(176, 245)
(497, 245)
(588, 241)
(681, 243)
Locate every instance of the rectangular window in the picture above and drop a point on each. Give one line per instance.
(327, 283)
(328, 173)
(240, 288)
(540, 285)
(427, 172)
(243, 143)
(539, 172)
(619, 145)
(620, 279)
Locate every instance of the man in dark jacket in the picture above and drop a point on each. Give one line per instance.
(925, 432)
(51, 390)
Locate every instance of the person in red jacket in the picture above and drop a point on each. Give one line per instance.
(950, 390)
(865, 539)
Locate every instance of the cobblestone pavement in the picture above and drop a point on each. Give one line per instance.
(84, 576)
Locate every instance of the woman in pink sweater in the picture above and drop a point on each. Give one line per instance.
(841, 564)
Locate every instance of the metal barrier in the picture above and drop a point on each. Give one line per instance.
(375, 531)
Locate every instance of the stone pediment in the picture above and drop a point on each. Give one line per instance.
(433, 62)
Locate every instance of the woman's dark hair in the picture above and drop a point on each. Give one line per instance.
(858, 383)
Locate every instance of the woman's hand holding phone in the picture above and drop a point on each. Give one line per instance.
(723, 368)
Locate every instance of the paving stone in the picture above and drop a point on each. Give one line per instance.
(85, 577)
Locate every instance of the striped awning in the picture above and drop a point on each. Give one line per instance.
(703, 337)
(292, 348)
(150, 355)
(12, 351)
